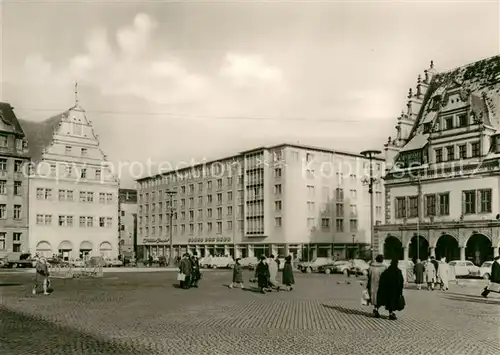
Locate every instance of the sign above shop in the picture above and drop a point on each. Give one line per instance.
(157, 240)
(199, 240)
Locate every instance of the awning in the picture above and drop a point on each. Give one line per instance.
(43, 246)
(86, 246)
(66, 245)
(417, 142)
(105, 246)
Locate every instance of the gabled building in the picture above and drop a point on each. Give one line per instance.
(73, 210)
(442, 180)
(13, 184)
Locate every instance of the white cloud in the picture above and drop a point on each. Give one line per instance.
(248, 70)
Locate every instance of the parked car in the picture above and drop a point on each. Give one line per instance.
(215, 262)
(18, 260)
(312, 266)
(465, 268)
(485, 270)
(77, 262)
(339, 266)
(112, 262)
(359, 267)
(249, 262)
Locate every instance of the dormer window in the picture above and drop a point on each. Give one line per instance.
(427, 127)
(448, 122)
(462, 120)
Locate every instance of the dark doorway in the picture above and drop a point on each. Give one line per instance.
(393, 249)
(419, 248)
(479, 249)
(447, 246)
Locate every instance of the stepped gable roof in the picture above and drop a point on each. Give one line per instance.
(9, 117)
(40, 134)
(479, 82)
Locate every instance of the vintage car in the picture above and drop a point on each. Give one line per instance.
(485, 270)
(465, 268)
(216, 262)
(314, 265)
(337, 267)
(249, 262)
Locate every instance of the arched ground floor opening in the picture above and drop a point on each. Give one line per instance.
(447, 247)
(65, 249)
(44, 248)
(479, 249)
(418, 248)
(393, 248)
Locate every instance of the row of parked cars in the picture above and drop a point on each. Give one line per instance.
(225, 262)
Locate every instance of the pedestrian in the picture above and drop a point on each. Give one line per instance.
(430, 274)
(41, 275)
(443, 272)
(273, 273)
(278, 261)
(237, 274)
(418, 270)
(288, 279)
(262, 274)
(150, 261)
(436, 266)
(494, 284)
(376, 269)
(185, 269)
(390, 291)
(195, 270)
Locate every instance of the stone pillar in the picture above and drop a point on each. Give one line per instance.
(250, 251)
(433, 251)
(462, 253)
(406, 252)
(315, 252)
(495, 252)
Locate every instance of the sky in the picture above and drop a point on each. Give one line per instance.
(174, 81)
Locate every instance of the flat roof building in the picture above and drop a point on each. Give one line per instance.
(284, 199)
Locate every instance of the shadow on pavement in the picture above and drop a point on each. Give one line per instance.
(24, 334)
(252, 289)
(349, 310)
(5, 284)
(473, 299)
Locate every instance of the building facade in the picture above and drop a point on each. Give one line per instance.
(443, 168)
(73, 208)
(286, 199)
(127, 222)
(14, 156)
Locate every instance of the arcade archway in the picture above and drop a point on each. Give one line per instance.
(479, 249)
(393, 248)
(418, 248)
(447, 247)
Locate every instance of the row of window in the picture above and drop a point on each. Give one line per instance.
(83, 173)
(449, 122)
(68, 195)
(463, 152)
(339, 224)
(17, 212)
(473, 201)
(18, 165)
(191, 215)
(68, 221)
(16, 240)
(17, 187)
(20, 143)
(190, 228)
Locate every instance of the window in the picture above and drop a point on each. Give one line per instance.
(67, 150)
(277, 205)
(98, 174)
(325, 224)
(209, 185)
(209, 199)
(219, 227)
(462, 151)
(209, 226)
(209, 213)
(277, 189)
(448, 122)
(102, 222)
(310, 206)
(43, 194)
(476, 149)
(68, 171)
(3, 140)
(310, 190)
(340, 209)
(339, 194)
(109, 222)
(219, 198)
(83, 173)
(17, 211)
(229, 196)
(18, 166)
(462, 120)
(229, 225)
(430, 205)
(400, 207)
(353, 225)
(438, 154)
(339, 225)
(277, 221)
(109, 197)
(83, 222)
(469, 201)
(2, 240)
(427, 127)
(450, 152)
(3, 187)
(230, 210)
(219, 184)
(3, 164)
(90, 221)
(229, 181)
(413, 206)
(277, 172)
(102, 197)
(485, 201)
(84, 152)
(444, 204)
(17, 188)
(219, 212)
(354, 194)
(354, 210)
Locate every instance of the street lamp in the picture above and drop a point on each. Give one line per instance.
(370, 155)
(170, 195)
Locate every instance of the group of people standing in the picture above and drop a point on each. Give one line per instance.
(266, 274)
(189, 271)
(434, 273)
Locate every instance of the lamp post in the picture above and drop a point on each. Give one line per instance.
(370, 155)
(419, 203)
(170, 195)
(353, 246)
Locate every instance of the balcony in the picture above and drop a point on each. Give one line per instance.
(427, 225)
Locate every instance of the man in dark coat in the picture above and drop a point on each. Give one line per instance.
(390, 290)
(185, 268)
(418, 270)
(237, 274)
(288, 279)
(262, 274)
(436, 266)
(494, 278)
(195, 270)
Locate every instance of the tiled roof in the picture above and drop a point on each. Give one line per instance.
(40, 134)
(417, 142)
(8, 116)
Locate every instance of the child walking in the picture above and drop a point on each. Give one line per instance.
(237, 274)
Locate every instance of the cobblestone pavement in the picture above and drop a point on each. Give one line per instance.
(145, 314)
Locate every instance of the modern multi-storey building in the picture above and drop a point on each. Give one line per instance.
(73, 209)
(13, 184)
(285, 199)
(127, 222)
(443, 177)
